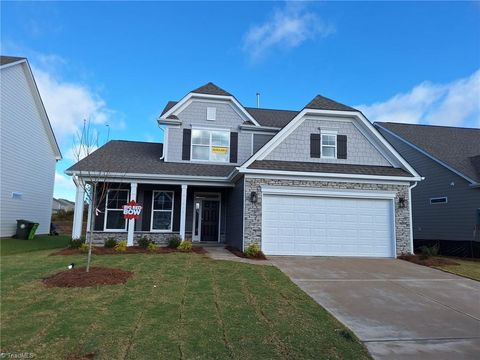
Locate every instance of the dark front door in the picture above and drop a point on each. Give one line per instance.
(210, 220)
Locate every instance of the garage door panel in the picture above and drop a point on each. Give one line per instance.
(303, 225)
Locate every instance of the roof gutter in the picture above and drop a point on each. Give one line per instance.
(327, 175)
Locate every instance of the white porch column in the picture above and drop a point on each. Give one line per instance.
(131, 222)
(183, 211)
(78, 211)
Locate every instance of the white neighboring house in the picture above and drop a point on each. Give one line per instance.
(62, 205)
(28, 149)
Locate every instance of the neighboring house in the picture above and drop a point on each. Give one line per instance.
(62, 205)
(29, 151)
(319, 181)
(446, 205)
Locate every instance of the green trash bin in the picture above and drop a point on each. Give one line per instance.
(26, 229)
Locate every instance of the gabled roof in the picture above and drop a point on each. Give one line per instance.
(323, 103)
(211, 89)
(4, 60)
(458, 148)
(135, 157)
(7, 61)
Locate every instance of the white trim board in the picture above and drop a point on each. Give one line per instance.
(299, 191)
(190, 97)
(331, 115)
(327, 175)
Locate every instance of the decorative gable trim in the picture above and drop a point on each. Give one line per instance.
(188, 99)
(368, 129)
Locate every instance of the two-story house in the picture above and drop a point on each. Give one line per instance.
(28, 150)
(319, 181)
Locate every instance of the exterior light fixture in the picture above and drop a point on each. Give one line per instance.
(253, 197)
(402, 202)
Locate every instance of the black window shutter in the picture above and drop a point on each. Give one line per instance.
(233, 147)
(341, 146)
(315, 145)
(187, 140)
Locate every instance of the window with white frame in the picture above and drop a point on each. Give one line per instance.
(329, 145)
(114, 209)
(162, 211)
(210, 145)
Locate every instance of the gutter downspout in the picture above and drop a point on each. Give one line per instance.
(410, 213)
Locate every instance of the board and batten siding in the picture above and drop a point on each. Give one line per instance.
(235, 205)
(454, 220)
(27, 157)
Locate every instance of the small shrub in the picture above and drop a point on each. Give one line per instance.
(429, 251)
(110, 243)
(84, 248)
(252, 250)
(174, 241)
(152, 247)
(121, 246)
(144, 241)
(185, 245)
(76, 243)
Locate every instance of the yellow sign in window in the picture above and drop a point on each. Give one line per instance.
(219, 150)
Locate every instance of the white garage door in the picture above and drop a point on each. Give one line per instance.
(327, 226)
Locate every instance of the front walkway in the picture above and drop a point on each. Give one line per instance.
(220, 253)
(398, 309)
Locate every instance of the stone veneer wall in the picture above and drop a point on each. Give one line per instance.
(253, 212)
(159, 238)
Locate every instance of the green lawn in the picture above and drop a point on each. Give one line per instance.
(9, 246)
(199, 309)
(467, 268)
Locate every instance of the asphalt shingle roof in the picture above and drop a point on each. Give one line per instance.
(323, 103)
(133, 157)
(272, 117)
(457, 147)
(328, 168)
(211, 89)
(4, 60)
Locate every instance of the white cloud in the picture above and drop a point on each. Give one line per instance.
(64, 187)
(68, 104)
(456, 104)
(286, 28)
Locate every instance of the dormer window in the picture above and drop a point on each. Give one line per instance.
(210, 145)
(329, 145)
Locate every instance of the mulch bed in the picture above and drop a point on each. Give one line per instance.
(78, 277)
(235, 251)
(81, 357)
(431, 261)
(100, 250)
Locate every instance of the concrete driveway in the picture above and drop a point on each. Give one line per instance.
(398, 309)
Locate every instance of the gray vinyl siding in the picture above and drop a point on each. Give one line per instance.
(195, 114)
(296, 147)
(454, 220)
(235, 215)
(259, 140)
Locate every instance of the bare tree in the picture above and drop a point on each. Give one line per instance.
(94, 181)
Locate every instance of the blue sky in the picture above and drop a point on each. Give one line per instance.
(118, 64)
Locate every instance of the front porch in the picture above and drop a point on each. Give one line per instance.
(198, 213)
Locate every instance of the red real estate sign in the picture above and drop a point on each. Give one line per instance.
(132, 210)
